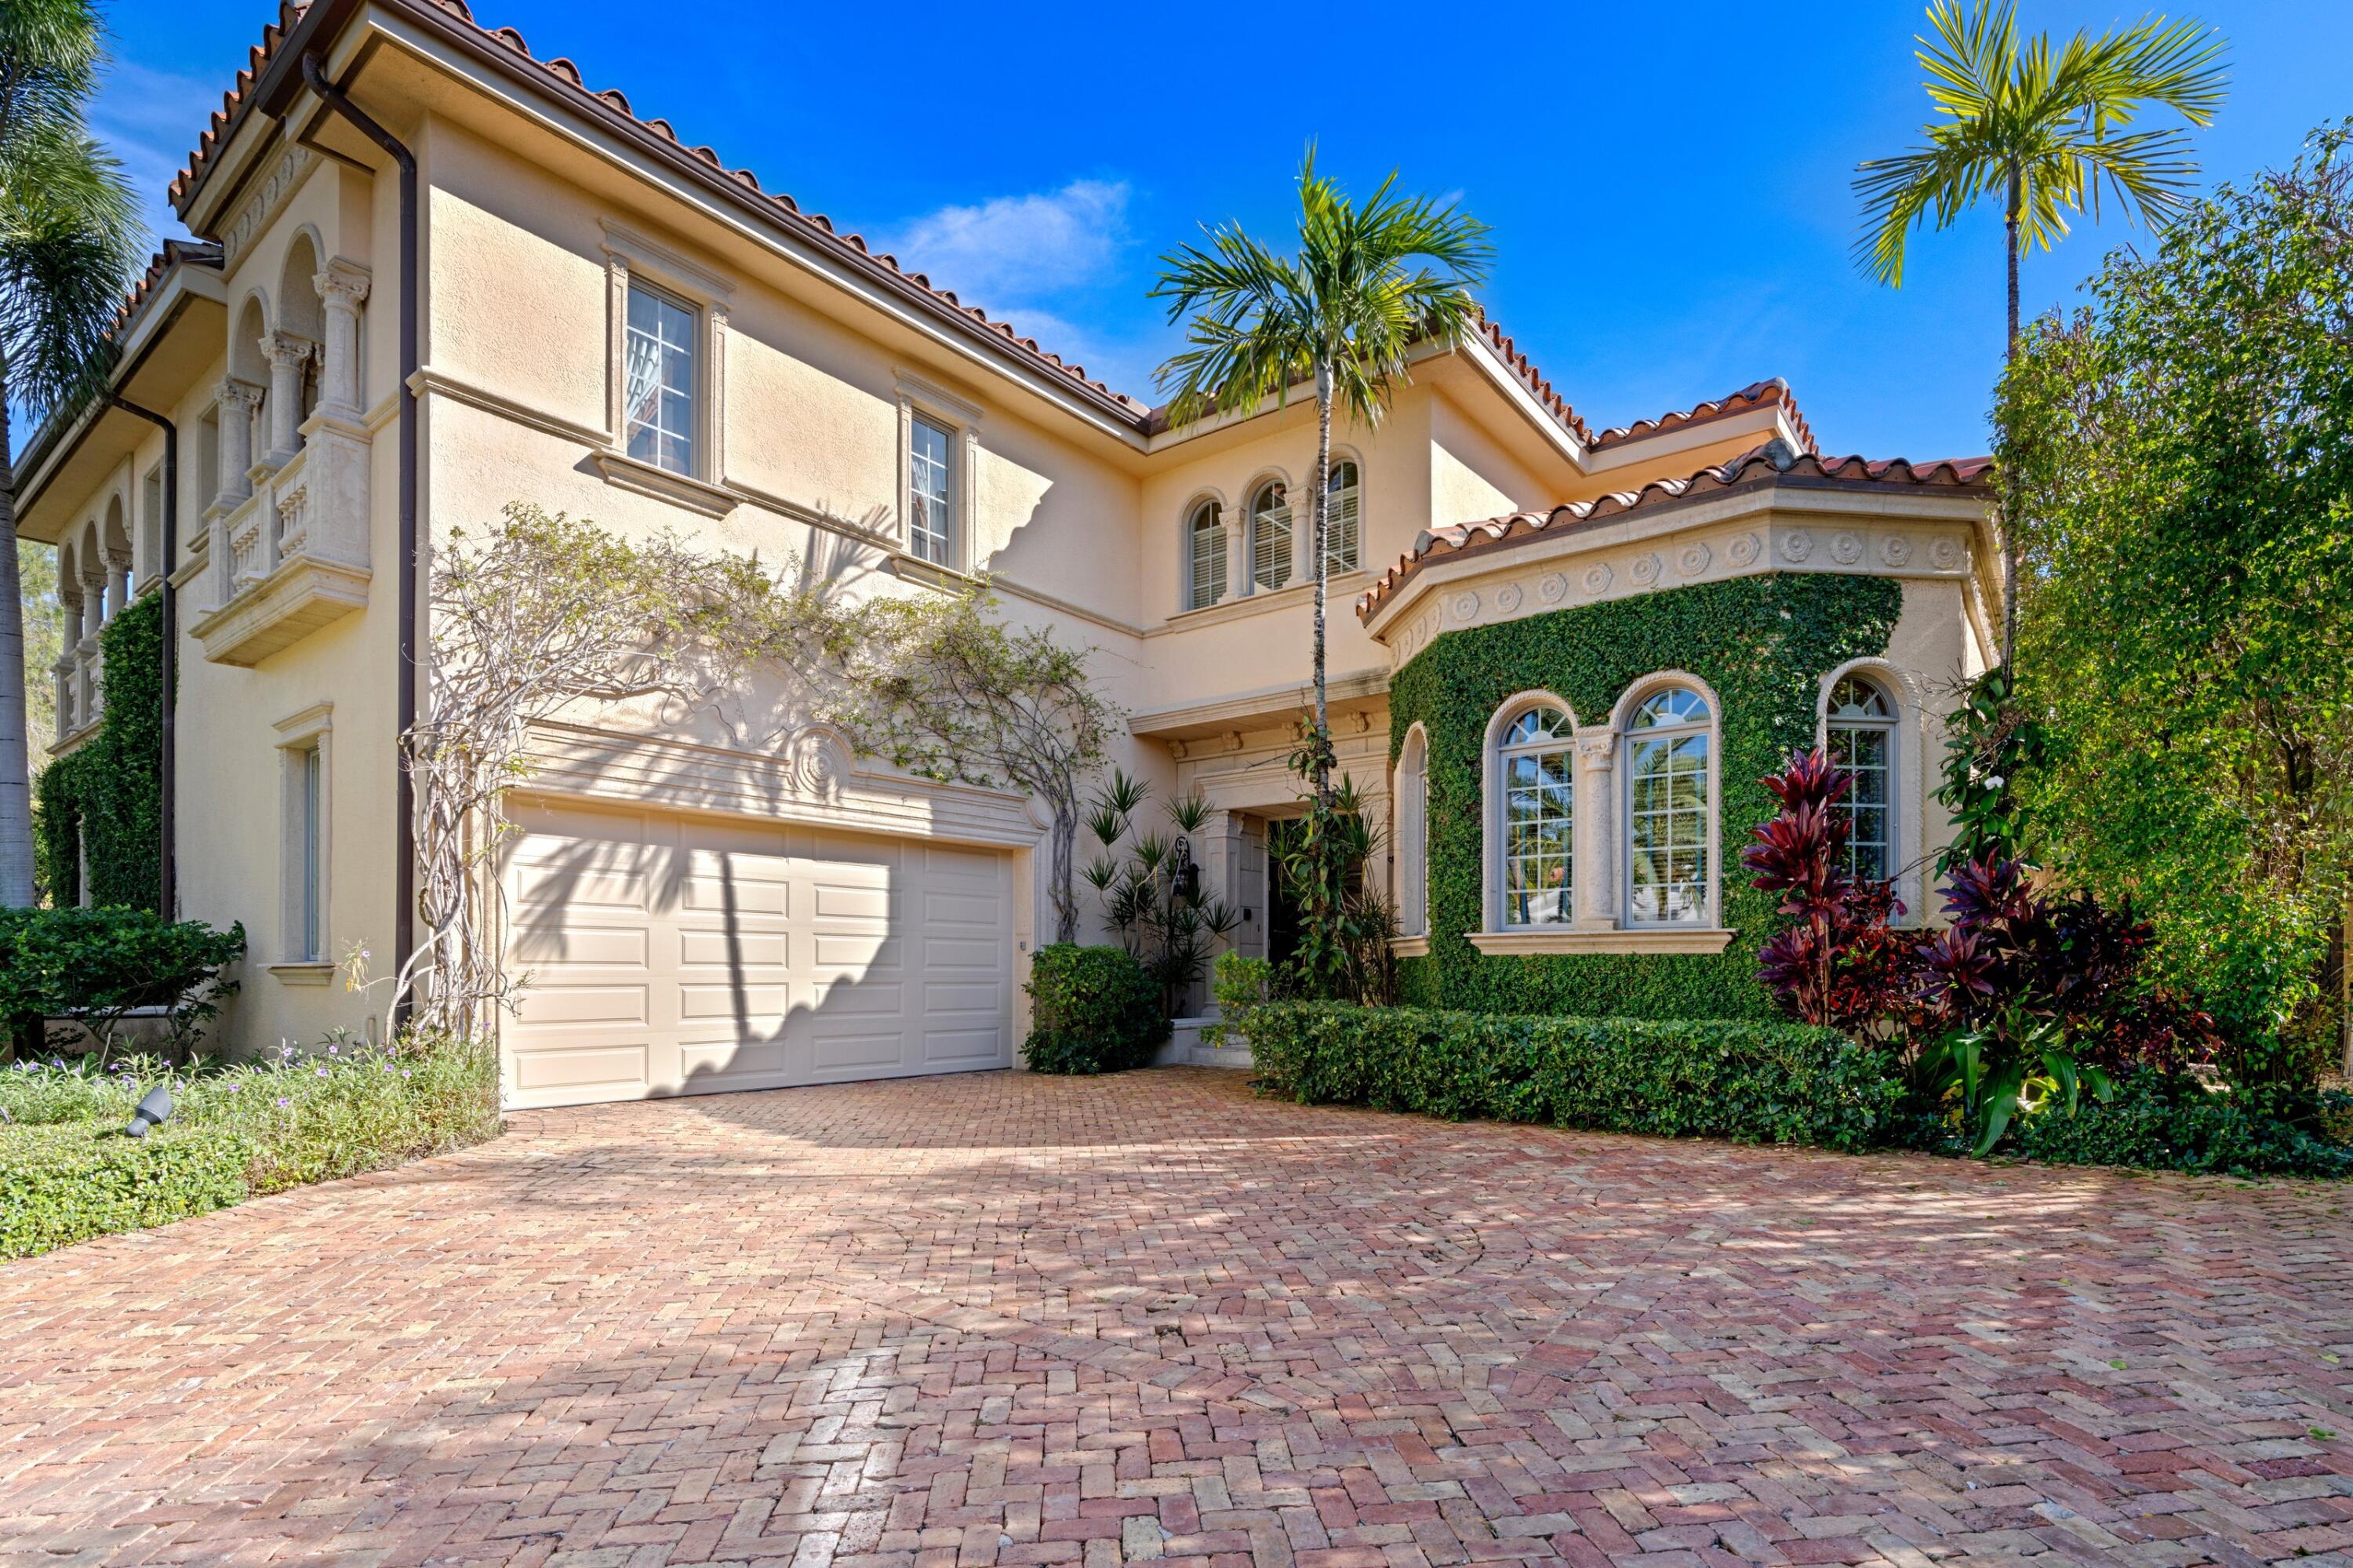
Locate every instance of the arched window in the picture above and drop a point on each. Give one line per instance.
(1412, 799)
(1341, 506)
(1536, 780)
(1204, 556)
(1270, 536)
(1861, 730)
(1669, 778)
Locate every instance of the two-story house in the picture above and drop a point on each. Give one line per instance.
(441, 273)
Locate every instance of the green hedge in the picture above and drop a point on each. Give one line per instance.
(105, 801)
(2161, 1123)
(1763, 643)
(1097, 1010)
(66, 1182)
(1758, 1082)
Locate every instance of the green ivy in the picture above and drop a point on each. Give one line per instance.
(1763, 643)
(108, 795)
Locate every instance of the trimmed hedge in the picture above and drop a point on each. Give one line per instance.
(1762, 642)
(1098, 1011)
(1755, 1082)
(2157, 1122)
(66, 1182)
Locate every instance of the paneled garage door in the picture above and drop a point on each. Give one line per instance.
(678, 955)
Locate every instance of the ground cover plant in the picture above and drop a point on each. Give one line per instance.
(68, 1170)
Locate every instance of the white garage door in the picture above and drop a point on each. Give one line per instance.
(677, 954)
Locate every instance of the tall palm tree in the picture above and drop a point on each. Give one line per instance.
(1368, 282)
(70, 240)
(2045, 130)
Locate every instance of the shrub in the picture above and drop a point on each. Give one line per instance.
(67, 1182)
(66, 1173)
(1241, 985)
(1772, 1083)
(1098, 1011)
(2162, 1121)
(91, 967)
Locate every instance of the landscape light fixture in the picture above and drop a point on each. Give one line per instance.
(152, 1111)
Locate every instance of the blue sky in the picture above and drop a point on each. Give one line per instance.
(1668, 183)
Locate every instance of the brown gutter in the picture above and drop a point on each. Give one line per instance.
(404, 870)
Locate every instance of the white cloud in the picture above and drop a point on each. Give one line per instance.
(1010, 249)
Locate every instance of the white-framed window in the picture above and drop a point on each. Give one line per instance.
(1536, 835)
(931, 493)
(1342, 506)
(305, 811)
(658, 398)
(1412, 797)
(1270, 536)
(1670, 795)
(1858, 728)
(1205, 554)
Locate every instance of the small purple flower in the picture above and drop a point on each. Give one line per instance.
(386, 1068)
(404, 1072)
(283, 1101)
(323, 1072)
(334, 1051)
(233, 1085)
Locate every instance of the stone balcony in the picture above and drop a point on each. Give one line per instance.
(291, 556)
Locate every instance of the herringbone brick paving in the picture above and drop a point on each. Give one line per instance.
(1006, 1320)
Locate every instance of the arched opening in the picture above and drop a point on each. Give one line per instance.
(1270, 536)
(116, 543)
(1670, 808)
(1859, 726)
(1532, 811)
(1412, 797)
(1205, 554)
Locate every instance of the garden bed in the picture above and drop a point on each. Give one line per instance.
(68, 1172)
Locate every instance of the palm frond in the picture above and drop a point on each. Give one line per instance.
(70, 241)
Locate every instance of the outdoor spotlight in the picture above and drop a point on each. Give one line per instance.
(152, 1111)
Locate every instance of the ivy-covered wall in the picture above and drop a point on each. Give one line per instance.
(1762, 642)
(110, 792)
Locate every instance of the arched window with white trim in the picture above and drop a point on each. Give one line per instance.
(1858, 728)
(1412, 797)
(1670, 787)
(1270, 536)
(1343, 542)
(1205, 554)
(1535, 834)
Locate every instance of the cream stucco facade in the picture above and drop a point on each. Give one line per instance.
(815, 369)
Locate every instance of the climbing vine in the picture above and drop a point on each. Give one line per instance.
(1763, 643)
(104, 803)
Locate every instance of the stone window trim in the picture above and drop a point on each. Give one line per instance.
(1622, 720)
(1494, 805)
(1409, 835)
(1915, 760)
(960, 417)
(299, 735)
(632, 256)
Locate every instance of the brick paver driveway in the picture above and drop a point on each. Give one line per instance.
(1017, 1320)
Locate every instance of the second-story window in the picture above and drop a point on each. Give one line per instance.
(1270, 536)
(1205, 539)
(1340, 527)
(930, 525)
(658, 399)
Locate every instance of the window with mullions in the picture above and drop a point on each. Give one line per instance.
(658, 398)
(1861, 730)
(1205, 544)
(1341, 530)
(1535, 773)
(1668, 782)
(930, 525)
(1270, 537)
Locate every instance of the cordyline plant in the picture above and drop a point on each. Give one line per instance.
(1154, 898)
(530, 618)
(2024, 1000)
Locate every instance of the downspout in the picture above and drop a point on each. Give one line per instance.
(403, 870)
(169, 891)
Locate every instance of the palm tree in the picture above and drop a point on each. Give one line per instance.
(2044, 129)
(1369, 282)
(70, 240)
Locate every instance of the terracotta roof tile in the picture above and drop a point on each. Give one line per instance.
(1534, 381)
(199, 252)
(1755, 395)
(1767, 464)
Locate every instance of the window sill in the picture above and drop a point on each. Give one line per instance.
(303, 972)
(627, 472)
(1339, 585)
(1609, 939)
(1410, 947)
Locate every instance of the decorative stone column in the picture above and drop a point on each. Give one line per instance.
(343, 286)
(237, 400)
(287, 356)
(90, 699)
(62, 673)
(1596, 836)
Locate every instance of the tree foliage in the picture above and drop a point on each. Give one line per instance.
(2186, 446)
